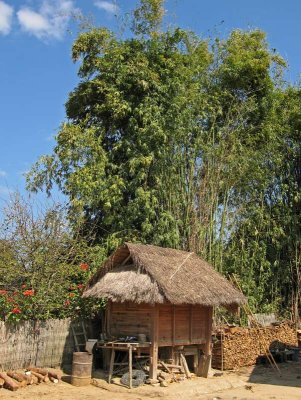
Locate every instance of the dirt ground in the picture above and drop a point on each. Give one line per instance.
(259, 382)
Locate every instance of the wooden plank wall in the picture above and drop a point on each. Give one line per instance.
(182, 325)
(178, 325)
(41, 343)
(128, 319)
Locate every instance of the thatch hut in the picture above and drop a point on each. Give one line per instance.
(166, 294)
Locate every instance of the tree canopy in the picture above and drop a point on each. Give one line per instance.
(185, 142)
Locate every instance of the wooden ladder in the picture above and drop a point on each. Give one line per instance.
(79, 336)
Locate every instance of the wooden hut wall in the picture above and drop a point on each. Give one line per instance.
(129, 319)
(182, 325)
(178, 325)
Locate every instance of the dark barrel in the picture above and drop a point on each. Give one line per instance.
(81, 368)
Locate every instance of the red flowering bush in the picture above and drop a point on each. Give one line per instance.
(9, 306)
(44, 264)
(84, 267)
(28, 293)
(27, 303)
(22, 305)
(73, 303)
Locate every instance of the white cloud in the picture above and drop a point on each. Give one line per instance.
(6, 16)
(2, 173)
(33, 22)
(50, 21)
(107, 6)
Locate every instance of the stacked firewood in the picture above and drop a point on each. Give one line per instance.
(14, 380)
(236, 347)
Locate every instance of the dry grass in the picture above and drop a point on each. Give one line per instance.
(153, 274)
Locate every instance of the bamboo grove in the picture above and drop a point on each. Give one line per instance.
(190, 143)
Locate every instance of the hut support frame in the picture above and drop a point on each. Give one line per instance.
(196, 343)
(155, 344)
(204, 362)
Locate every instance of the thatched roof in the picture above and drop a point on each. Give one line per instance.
(152, 274)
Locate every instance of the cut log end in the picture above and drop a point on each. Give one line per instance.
(56, 375)
(9, 383)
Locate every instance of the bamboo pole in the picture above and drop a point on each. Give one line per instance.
(222, 349)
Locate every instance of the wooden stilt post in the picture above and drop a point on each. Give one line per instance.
(173, 326)
(154, 343)
(111, 365)
(130, 366)
(209, 332)
(173, 333)
(108, 312)
(205, 360)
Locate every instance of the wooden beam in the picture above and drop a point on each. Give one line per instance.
(185, 366)
(208, 332)
(190, 323)
(111, 365)
(126, 260)
(130, 366)
(173, 325)
(204, 361)
(154, 343)
(108, 319)
(166, 367)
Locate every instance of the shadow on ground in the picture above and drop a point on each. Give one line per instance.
(290, 374)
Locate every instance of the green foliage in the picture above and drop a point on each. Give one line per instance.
(43, 265)
(175, 141)
(148, 16)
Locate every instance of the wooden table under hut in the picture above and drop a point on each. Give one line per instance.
(165, 298)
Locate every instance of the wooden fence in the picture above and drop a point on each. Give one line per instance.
(40, 343)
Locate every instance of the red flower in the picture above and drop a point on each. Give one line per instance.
(16, 310)
(67, 303)
(80, 286)
(3, 291)
(28, 293)
(10, 300)
(15, 292)
(23, 286)
(71, 294)
(84, 267)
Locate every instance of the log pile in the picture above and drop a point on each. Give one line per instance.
(237, 347)
(14, 380)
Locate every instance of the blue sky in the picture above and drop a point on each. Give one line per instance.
(37, 73)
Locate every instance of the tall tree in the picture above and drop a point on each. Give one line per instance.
(179, 141)
(155, 125)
